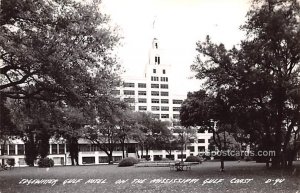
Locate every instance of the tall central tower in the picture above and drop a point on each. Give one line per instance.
(157, 77)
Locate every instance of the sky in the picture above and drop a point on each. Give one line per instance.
(179, 24)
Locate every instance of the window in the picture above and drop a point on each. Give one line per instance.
(164, 108)
(165, 101)
(164, 115)
(183, 156)
(157, 60)
(156, 116)
(192, 140)
(115, 92)
(154, 85)
(201, 140)
(154, 93)
(142, 93)
(142, 100)
(200, 130)
(176, 108)
(176, 116)
(154, 71)
(154, 100)
(156, 45)
(88, 160)
(142, 108)
(201, 148)
(177, 101)
(155, 108)
(164, 86)
(128, 92)
(61, 148)
(128, 84)
(191, 148)
(132, 108)
(54, 148)
(21, 149)
(3, 149)
(164, 71)
(129, 100)
(103, 159)
(164, 93)
(164, 79)
(12, 148)
(142, 85)
(154, 78)
(95, 148)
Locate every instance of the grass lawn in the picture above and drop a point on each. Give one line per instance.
(290, 179)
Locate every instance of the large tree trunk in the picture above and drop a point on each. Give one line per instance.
(222, 164)
(110, 159)
(147, 153)
(279, 98)
(31, 150)
(72, 143)
(181, 152)
(123, 147)
(43, 145)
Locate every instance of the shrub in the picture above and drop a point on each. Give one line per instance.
(165, 159)
(129, 161)
(193, 159)
(45, 162)
(11, 162)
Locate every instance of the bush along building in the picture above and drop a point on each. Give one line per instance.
(148, 93)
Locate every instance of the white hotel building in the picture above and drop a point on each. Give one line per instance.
(150, 92)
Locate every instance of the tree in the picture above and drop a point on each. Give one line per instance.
(7, 127)
(70, 126)
(54, 50)
(105, 129)
(212, 113)
(57, 52)
(260, 74)
(182, 136)
(36, 122)
(150, 132)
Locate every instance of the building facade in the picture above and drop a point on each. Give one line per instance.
(151, 91)
(148, 93)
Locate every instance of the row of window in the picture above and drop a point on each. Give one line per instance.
(162, 86)
(143, 85)
(91, 148)
(162, 79)
(164, 101)
(132, 85)
(156, 108)
(56, 149)
(165, 116)
(164, 108)
(156, 93)
(144, 100)
(163, 71)
(200, 148)
(132, 92)
(199, 141)
(11, 149)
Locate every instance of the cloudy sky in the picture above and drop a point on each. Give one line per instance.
(179, 25)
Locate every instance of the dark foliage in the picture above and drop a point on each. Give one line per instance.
(129, 161)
